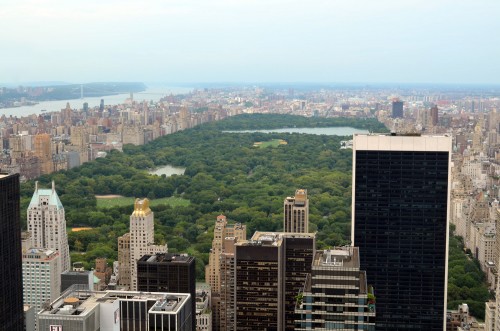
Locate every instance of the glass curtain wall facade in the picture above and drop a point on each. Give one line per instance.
(11, 287)
(400, 224)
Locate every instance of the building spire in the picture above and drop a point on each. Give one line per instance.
(36, 186)
(53, 187)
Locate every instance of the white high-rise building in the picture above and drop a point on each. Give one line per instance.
(47, 224)
(41, 277)
(142, 237)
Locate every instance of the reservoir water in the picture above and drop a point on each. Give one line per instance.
(168, 170)
(329, 131)
(154, 94)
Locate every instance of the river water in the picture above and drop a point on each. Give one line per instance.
(329, 131)
(154, 94)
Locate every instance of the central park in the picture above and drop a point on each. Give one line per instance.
(243, 175)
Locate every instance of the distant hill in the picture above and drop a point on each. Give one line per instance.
(55, 91)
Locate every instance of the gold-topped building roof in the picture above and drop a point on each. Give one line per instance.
(141, 207)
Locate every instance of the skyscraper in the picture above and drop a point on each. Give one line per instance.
(434, 115)
(43, 152)
(11, 286)
(166, 272)
(296, 212)
(138, 243)
(41, 276)
(226, 297)
(124, 260)
(270, 269)
(397, 109)
(213, 271)
(47, 223)
(400, 224)
(335, 294)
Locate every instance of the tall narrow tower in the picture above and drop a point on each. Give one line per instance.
(216, 262)
(397, 109)
(11, 286)
(400, 211)
(296, 213)
(47, 223)
(141, 237)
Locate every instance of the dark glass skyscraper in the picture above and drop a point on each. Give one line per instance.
(168, 272)
(397, 109)
(400, 224)
(11, 286)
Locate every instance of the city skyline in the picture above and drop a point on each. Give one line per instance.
(276, 41)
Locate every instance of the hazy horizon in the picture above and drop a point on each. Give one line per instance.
(441, 42)
(298, 84)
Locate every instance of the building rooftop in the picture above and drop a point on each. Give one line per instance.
(141, 207)
(272, 238)
(40, 253)
(167, 258)
(76, 272)
(77, 301)
(51, 193)
(401, 142)
(337, 257)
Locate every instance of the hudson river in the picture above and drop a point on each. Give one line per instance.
(154, 94)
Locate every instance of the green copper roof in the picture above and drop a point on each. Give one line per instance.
(51, 193)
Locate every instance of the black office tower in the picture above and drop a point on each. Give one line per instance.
(11, 282)
(397, 109)
(400, 224)
(168, 272)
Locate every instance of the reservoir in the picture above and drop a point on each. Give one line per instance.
(167, 170)
(329, 131)
(154, 94)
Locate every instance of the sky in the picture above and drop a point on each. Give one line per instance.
(405, 41)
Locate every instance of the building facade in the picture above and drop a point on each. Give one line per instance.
(222, 230)
(124, 260)
(41, 277)
(227, 299)
(400, 222)
(69, 278)
(336, 295)
(141, 242)
(47, 224)
(166, 272)
(270, 270)
(11, 286)
(397, 109)
(203, 314)
(296, 213)
(83, 310)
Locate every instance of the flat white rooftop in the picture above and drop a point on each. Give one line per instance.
(388, 142)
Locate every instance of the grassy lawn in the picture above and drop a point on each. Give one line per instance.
(127, 201)
(270, 143)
